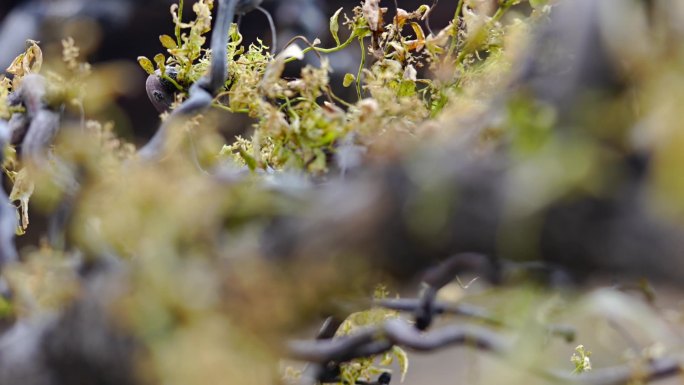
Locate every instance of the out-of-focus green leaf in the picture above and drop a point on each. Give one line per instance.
(249, 160)
(335, 25)
(538, 3)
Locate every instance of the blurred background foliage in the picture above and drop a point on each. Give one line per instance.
(544, 136)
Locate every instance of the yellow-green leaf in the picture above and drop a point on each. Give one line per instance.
(161, 62)
(406, 88)
(249, 159)
(424, 10)
(168, 42)
(420, 35)
(146, 64)
(348, 80)
(402, 360)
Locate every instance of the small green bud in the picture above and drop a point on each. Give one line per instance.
(348, 80)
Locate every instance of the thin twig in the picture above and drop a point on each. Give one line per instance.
(441, 308)
(271, 24)
(427, 17)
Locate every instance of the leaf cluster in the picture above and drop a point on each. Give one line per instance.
(405, 78)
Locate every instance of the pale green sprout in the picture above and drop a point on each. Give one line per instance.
(581, 359)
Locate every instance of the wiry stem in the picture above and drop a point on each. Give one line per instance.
(271, 24)
(178, 25)
(361, 66)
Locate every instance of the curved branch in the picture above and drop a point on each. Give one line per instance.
(375, 340)
(8, 218)
(43, 122)
(271, 24)
(200, 100)
(395, 332)
(322, 351)
(401, 333)
(219, 45)
(440, 308)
